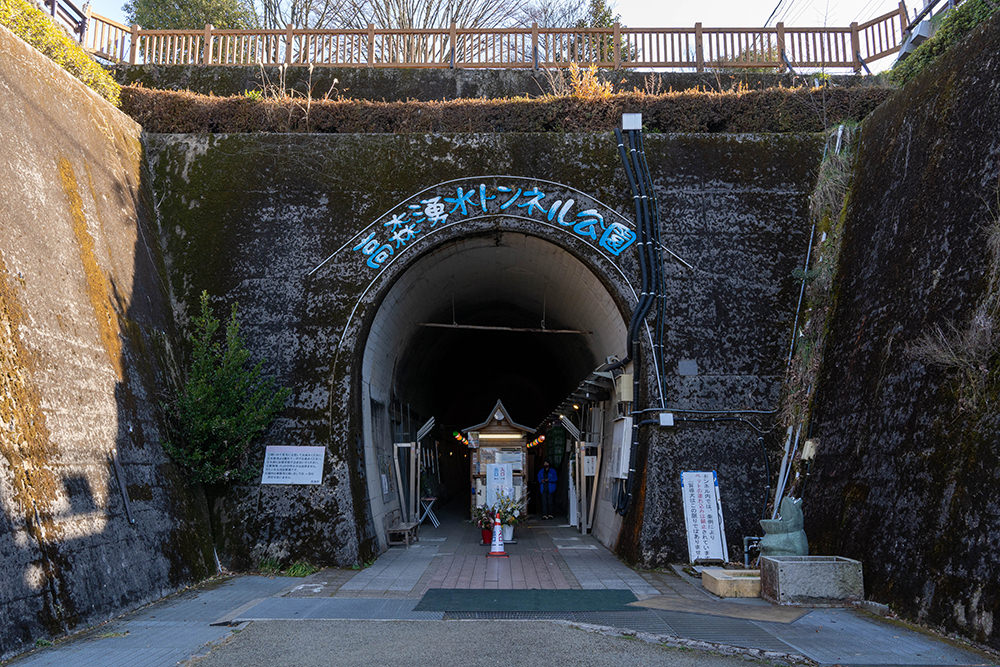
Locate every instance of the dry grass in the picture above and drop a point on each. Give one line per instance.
(826, 209)
(971, 349)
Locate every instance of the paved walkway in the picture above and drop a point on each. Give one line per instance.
(670, 606)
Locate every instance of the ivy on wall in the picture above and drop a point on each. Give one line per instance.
(29, 23)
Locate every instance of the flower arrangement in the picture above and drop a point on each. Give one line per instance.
(511, 511)
(482, 516)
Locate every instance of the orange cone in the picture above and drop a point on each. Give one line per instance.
(496, 549)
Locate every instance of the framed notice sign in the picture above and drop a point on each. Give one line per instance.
(499, 479)
(706, 533)
(285, 464)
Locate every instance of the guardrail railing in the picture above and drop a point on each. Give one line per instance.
(697, 48)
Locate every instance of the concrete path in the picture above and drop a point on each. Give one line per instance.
(328, 618)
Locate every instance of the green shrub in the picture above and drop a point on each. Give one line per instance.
(29, 23)
(226, 403)
(300, 569)
(955, 25)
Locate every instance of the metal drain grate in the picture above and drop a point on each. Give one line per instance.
(722, 630)
(507, 615)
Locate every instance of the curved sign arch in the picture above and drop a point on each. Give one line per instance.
(453, 202)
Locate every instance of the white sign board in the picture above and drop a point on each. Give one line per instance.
(285, 464)
(499, 477)
(513, 458)
(590, 466)
(706, 533)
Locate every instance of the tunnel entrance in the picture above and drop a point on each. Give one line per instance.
(504, 315)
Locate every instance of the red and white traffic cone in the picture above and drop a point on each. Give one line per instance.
(496, 549)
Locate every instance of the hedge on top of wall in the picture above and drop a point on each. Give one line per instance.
(770, 110)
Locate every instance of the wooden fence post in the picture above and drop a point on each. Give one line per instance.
(617, 46)
(453, 40)
(699, 52)
(904, 20)
(206, 47)
(85, 26)
(371, 44)
(855, 47)
(134, 47)
(289, 36)
(780, 27)
(534, 46)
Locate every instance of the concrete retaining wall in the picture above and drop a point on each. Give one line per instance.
(85, 344)
(906, 478)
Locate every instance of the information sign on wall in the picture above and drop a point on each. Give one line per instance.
(706, 533)
(499, 477)
(285, 464)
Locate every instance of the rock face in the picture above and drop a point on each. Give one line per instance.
(85, 347)
(907, 475)
(251, 217)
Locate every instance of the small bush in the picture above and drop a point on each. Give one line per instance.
(225, 404)
(29, 23)
(955, 25)
(300, 569)
(269, 566)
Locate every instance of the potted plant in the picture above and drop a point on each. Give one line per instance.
(511, 512)
(482, 516)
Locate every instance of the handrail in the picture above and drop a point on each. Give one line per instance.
(695, 48)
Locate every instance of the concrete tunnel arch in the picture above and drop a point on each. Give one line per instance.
(502, 278)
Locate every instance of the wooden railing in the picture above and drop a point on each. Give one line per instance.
(696, 48)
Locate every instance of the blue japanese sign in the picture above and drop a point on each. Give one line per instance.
(420, 216)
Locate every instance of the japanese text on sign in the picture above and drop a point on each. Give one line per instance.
(421, 216)
(706, 535)
(285, 464)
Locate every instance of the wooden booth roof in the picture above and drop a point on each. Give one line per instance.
(499, 420)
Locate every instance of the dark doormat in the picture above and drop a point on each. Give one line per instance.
(463, 599)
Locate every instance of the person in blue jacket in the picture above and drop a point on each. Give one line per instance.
(547, 486)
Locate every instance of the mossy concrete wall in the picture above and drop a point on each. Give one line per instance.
(248, 217)
(85, 344)
(393, 84)
(907, 478)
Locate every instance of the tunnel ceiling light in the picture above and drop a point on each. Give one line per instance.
(482, 327)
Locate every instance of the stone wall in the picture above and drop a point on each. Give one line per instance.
(247, 217)
(907, 477)
(85, 347)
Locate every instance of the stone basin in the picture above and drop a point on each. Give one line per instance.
(820, 581)
(731, 583)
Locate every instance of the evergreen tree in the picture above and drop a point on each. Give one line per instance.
(226, 403)
(189, 14)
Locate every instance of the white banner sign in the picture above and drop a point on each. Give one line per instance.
(706, 533)
(284, 464)
(499, 477)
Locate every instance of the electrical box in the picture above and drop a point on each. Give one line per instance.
(621, 448)
(623, 387)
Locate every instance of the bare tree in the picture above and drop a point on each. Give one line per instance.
(276, 14)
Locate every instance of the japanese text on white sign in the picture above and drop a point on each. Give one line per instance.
(284, 464)
(706, 534)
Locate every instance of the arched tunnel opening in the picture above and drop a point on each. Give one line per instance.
(505, 316)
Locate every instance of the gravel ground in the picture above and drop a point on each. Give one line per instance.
(543, 643)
